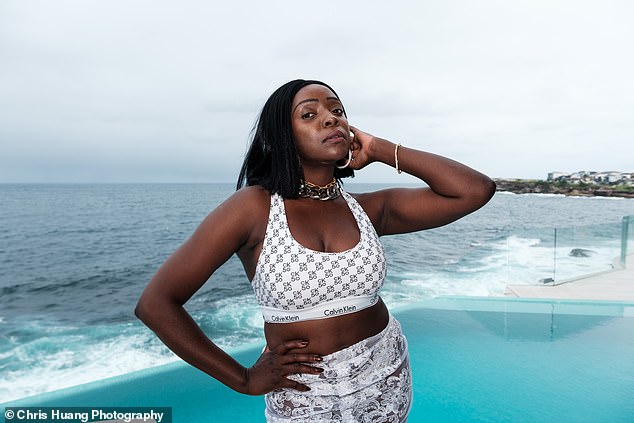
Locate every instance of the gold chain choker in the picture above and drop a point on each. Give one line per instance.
(327, 192)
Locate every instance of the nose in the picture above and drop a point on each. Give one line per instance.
(331, 120)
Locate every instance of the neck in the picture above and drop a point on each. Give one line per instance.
(318, 175)
(329, 191)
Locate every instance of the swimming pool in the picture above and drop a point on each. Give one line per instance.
(474, 360)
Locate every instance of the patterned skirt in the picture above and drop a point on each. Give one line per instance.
(369, 381)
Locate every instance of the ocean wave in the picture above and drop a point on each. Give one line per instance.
(39, 356)
(42, 357)
(66, 299)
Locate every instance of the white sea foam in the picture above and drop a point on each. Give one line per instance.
(69, 356)
(512, 260)
(64, 360)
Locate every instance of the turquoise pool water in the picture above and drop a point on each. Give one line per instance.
(474, 360)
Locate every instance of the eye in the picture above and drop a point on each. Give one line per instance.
(338, 111)
(308, 115)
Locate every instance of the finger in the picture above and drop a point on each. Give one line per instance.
(300, 358)
(296, 368)
(354, 145)
(356, 131)
(295, 344)
(287, 383)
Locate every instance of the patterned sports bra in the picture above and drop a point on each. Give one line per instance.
(293, 283)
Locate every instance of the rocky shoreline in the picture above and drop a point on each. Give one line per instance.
(535, 186)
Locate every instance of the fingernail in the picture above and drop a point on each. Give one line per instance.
(318, 358)
(303, 343)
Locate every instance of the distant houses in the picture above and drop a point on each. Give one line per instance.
(593, 178)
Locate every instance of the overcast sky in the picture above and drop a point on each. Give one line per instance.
(158, 91)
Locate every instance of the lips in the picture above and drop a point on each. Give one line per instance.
(335, 136)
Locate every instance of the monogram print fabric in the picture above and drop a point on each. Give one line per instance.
(291, 277)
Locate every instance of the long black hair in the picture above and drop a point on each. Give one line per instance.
(272, 160)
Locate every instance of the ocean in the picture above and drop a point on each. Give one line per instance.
(74, 259)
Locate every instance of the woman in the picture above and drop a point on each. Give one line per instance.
(311, 251)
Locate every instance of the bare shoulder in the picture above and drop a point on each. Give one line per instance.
(377, 199)
(251, 199)
(245, 206)
(248, 209)
(383, 206)
(372, 203)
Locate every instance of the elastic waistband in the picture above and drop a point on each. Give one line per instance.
(328, 309)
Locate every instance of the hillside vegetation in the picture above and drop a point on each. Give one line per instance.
(537, 186)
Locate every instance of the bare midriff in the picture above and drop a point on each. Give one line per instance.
(326, 336)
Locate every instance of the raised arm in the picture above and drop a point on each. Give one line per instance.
(454, 190)
(230, 228)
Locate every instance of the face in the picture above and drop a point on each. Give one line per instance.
(320, 127)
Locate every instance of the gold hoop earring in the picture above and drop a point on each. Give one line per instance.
(347, 161)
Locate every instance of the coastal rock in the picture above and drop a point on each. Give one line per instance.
(534, 186)
(581, 252)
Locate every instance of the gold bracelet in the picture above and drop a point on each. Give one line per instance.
(396, 158)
